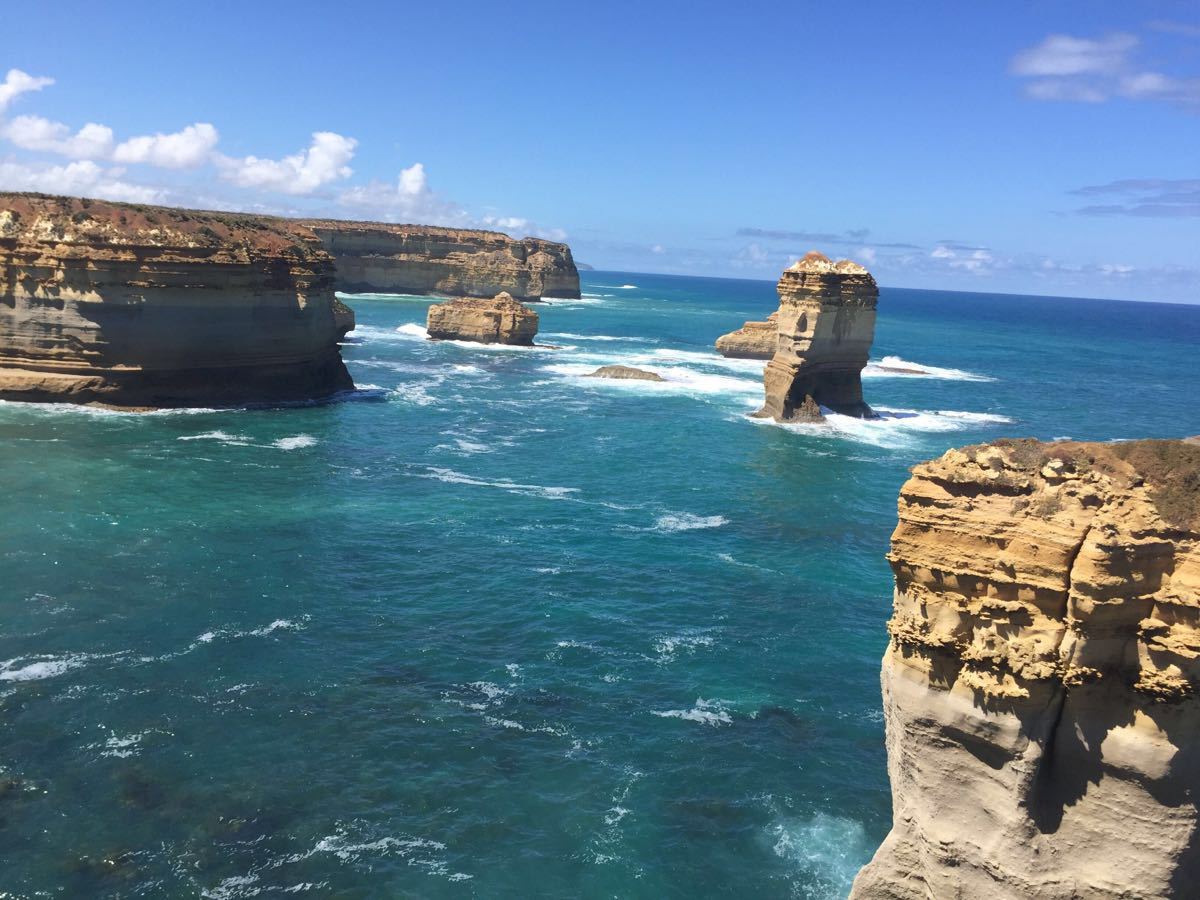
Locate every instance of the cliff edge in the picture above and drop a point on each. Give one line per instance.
(1040, 684)
(424, 259)
(826, 324)
(145, 306)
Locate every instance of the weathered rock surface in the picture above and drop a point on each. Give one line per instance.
(754, 340)
(626, 372)
(423, 259)
(343, 318)
(1040, 685)
(144, 306)
(826, 325)
(500, 320)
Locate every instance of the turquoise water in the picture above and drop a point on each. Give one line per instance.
(488, 628)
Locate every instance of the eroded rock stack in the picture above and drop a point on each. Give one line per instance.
(456, 262)
(826, 325)
(754, 340)
(500, 320)
(1040, 685)
(145, 306)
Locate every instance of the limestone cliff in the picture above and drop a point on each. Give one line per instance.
(500, 320)
(826, 325)
(146, 306)
(754, 340)
(423, 259)
(1040, 685)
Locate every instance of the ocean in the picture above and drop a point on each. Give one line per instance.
(487, 627)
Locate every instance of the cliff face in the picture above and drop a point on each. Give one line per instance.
(826, 326)
(419, 259)
(146, 306)
(1040, 685)
(754, 340)
(500, 320)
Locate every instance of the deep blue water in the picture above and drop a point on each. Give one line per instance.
(489, 628)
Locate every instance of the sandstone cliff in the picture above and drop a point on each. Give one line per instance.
(145, 306)
(500, 320)
(422, 259)
(1040, 685)
(826, 326)
(754, 340)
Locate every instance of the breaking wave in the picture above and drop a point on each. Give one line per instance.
(895, 367)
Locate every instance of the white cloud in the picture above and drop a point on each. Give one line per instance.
(84, 179)
(412, 181)
(943, 252)
(1085, 70)
(92, 141)
(191, 147)
(867, 255)
(658, 249)
(18, 82)
(325, 160)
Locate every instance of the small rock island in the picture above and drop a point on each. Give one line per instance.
(137, 306)
(754, 340)
(826, 325)
(500, 320)
(1040, 688)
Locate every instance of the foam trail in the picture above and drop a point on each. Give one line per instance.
(895, 367)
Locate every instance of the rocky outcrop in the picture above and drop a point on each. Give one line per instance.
(826, 326)
(1040, 684)
(423, 259)
(343, 318)
(500, 320)
(144, 306)
(754, 340)
(627, 373)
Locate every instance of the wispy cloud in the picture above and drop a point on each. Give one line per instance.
(1163, 198)
(1064, 67)
(852, 237)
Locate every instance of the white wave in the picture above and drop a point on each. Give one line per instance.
(569, 303)
(416, 392)
(277, 625)
(827, 850)
(676, 379)
(75, 409)
(598, 337)
(295, 442)
(452, 477)
(413, 330)
(699, 357)
(893, 428)
(668, 647)
(375, 295)
(687, 522)
(627, 287)
(895, 367)
(38, 667)
(705, 712)
(118, 747)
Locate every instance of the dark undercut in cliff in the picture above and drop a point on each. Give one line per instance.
(140, 306)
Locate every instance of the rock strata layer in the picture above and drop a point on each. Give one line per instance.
(628, 373)
(423, 259)
(826, 325)
(1040, 684)
(500, 320)
(754, 340)
(145, 306)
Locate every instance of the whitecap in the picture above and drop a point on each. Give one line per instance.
(452, 477)
(705, 712)
(223, 437)
(893, 428)
(895, 367)
(668, 647)
(599, 337)
(36, 668)
(673, 522)
(828, 850)
(676, 379)
(295, 442)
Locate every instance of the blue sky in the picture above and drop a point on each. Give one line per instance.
(1026, 147)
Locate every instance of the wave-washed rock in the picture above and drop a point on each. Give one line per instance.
(144, 306)
(628, 373)
(1040, 684)
(826, 326)
(500, 320)
(456, 262)
(754, 340)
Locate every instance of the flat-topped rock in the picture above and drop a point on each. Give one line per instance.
(499, 320)
(754, 340)
(141, 306)
(1040, 687)
(825, 328)
(626, 372)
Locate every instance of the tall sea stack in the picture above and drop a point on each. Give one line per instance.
(825, 328)
(1040, 685)
(144, 306)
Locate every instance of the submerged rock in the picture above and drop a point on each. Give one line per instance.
(500, 320)
(826, 326)
(426, 259)
(1040, 685)
(626, 372)
(754, 340)
(146, 306)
